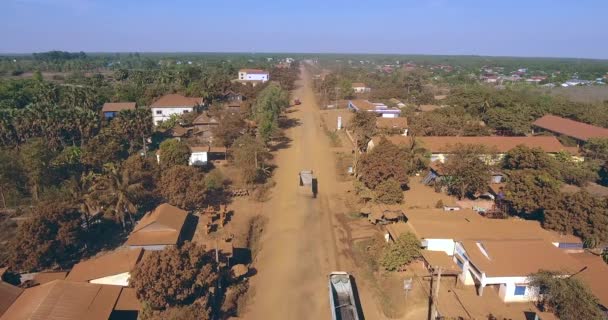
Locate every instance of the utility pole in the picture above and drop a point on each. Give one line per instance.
(435, 297)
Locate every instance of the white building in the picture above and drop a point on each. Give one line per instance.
(491, 252)
(253, 75)
(359, 87)
(380, 109)
(173, 104)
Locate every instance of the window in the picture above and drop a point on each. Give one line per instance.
(520, 290)
(186, 111)
(159, 112)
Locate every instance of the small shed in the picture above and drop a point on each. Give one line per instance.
(384, 214)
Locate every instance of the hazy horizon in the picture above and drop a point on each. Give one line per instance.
(551, 29)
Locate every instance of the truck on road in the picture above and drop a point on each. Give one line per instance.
(342, 297)
(308, 182)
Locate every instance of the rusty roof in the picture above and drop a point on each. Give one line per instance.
(127, 301)
(254, 71)
(391, 123)
(440, 259)
(163, 225)
(106, 265)
(8, 295)
(204, 118)
(358, 85)
(501, 144)
(595, 275)
(45, 277)
(176, 101)
(118, 106)
(65, 300)
(571, 128)
(518, 257)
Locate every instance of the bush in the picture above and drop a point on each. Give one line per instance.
(389, 192)
(403, 251)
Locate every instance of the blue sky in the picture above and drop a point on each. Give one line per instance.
(553, 28)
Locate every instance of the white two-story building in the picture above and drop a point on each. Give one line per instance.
(253, 75)
(171, 104)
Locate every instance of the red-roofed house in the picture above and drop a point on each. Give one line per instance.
(111, 109)
(579, 131)
(170, 104)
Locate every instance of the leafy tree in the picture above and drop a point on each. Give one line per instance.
(531, 191)
(106, 147)
(389, 192)
(135, 126)
(170, 123)
(363, 126)
(596, 148)
(175, 276)
(467, 170)
(173, 153)
(250, 156)
(183, 186)
(13, 179)
(229, 129)
(267, 108)
(404, 250)
(567, 297)
(384, 161)
(53, 236)
(523, 157)
(36, 159)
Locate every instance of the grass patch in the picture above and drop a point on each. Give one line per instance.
(334, 138)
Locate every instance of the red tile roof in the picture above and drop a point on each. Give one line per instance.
(176, 101)
(391, 123)
(8, 295)
(358, 85)
(118, 106)
(161, 226)
(106, 265)
(571, 128)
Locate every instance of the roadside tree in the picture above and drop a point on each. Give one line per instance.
(173, 153)
(467, 170)
(183, 186)
(403, 251)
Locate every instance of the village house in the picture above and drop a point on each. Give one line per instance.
(69, 300)
(111, 109)
(579, 131)
(205, 122)
(246, 75)
(201, 155)
(392, 125)
(499, 253)
(441, 147)
(110, 269)
(158, 228)
(360, 105)
(397, 102)
(359, 87)
(170, 104)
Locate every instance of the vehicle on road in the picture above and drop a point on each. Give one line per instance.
(297, 102)
(308, 182)
(342, 297)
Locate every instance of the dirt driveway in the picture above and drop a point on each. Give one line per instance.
(303, 241)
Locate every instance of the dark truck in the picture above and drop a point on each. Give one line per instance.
(308, 182)
(342, 297)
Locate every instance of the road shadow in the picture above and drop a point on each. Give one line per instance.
(282, 142)
(288, 123)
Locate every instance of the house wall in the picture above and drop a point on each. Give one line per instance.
(198, 158)
(389, 115)
(110, 114)
(253, 76)
(445, 245)
(506, 291)
(162, 114)
(121, 279)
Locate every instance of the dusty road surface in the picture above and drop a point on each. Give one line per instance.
(303, 241)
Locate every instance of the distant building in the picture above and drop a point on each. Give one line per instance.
(253, 75)
(579, 131)
(170, 104)
(359, 87)
(380, 109)
(201, 155)
(111, 109)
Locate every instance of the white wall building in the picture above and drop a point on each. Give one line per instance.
(359, 87)
(253, 75)
(168, 105)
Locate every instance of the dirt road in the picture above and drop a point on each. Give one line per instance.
(303, 241)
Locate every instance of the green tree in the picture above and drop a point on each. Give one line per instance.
(384, 161)
(36, 159)
(567, 297)
(467, 170)
(183, 186)
(175, 277)
(268, 106)
(173, 153)
(229, 129)
(250, 156)
(389, 192)
(13, 180)
(53, 236)
(531, 191)
(403, 251)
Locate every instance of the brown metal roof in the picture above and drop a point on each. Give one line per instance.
(8, 295)
(127, 301)
(254, 71)
(518, 257)
(163, 225)
(501, 144)
(203, 119)
(46, 277)
(571, 128)
(391, 123)
(64, 300)
(176, 101)
(358, 85)
(106, 265)
(595, 275)
(440, 259)
(118, 106)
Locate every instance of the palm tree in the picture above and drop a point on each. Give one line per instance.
(119, 192)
